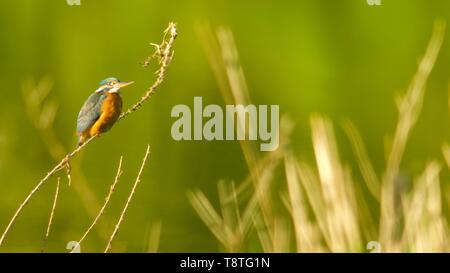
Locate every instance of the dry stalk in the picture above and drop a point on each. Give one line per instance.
(50, 220)
(133, 190)
(102, 210)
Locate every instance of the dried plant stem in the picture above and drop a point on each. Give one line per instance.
(27, 199)
(55, 169)
(367, 170)
(50, 220)
(133, 190)
(409, 108)
(100, 213)
(165, 54)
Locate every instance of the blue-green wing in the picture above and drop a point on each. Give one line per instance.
(90, 111)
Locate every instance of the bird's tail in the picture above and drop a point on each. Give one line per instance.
(81, 140)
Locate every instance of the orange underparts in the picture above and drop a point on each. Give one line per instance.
(110, 112)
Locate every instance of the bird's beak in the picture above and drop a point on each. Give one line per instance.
(118, 86)
(123, 84)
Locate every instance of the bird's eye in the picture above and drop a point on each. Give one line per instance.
(112, 83)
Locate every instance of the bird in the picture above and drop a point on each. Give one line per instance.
(101, 110)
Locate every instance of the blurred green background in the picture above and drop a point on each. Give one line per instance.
(343, 59)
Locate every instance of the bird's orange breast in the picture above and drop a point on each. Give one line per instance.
(111, 109)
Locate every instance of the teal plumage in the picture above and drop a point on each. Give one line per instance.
(108, 80)
(90, 112)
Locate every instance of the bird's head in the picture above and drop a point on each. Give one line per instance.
(111, 85)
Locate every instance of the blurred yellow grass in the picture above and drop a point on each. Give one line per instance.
(327, 209)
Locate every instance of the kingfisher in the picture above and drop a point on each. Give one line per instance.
(101, 110)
